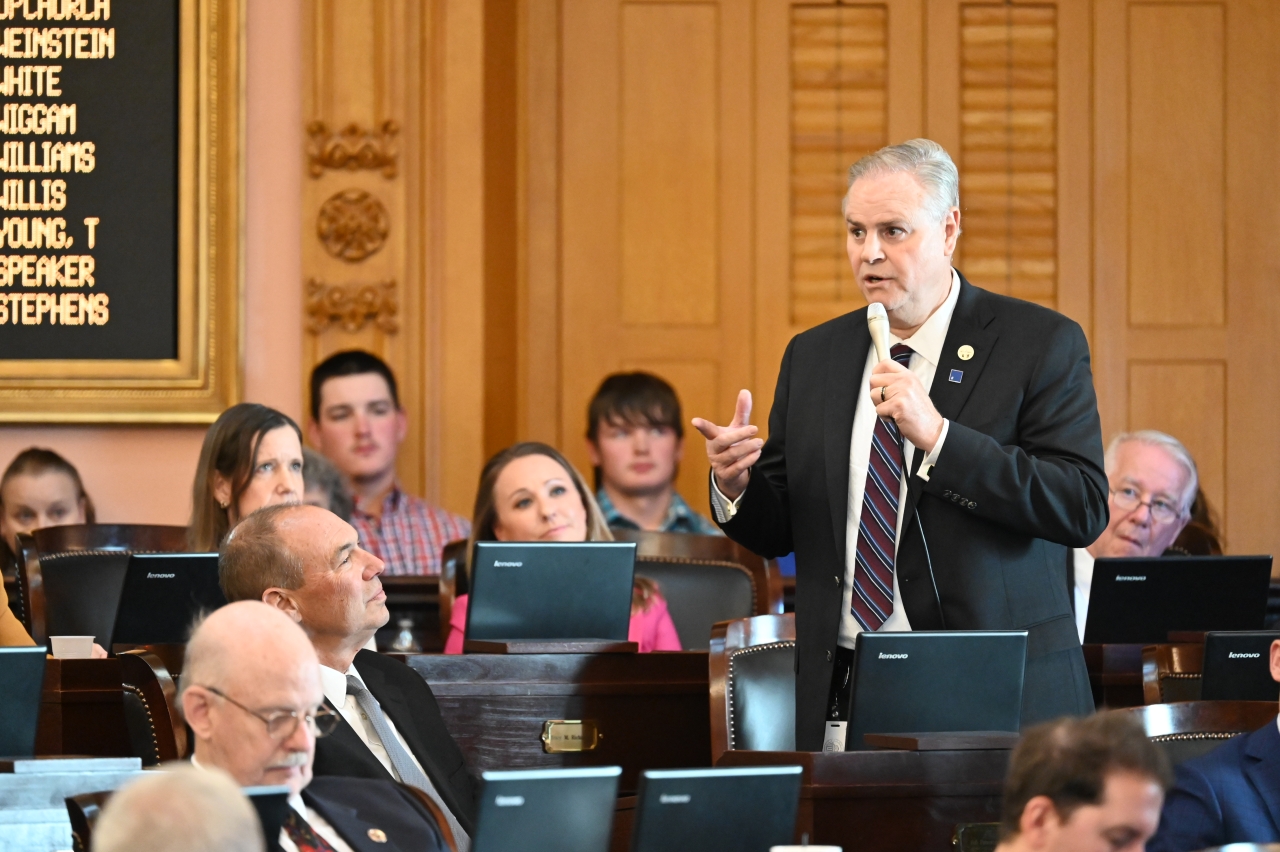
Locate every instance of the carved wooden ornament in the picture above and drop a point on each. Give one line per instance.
(352, 305)
(352, 225)
(352, 148)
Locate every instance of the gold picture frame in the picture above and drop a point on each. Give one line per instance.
(206, 377)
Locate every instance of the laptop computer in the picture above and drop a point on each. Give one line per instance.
(163, 594)
(716, 810)
(931, 682)
(1237, 667)
(527, 591)
(1139, 601)
(547, 810)
(21, 680)
(272, 805)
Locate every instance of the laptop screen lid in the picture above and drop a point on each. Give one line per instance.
(21, 680)
(1139, 600)
(558, 590)
(162, 596)
(745, 809)
(932, 682)
(1237, 667)
(547, 810)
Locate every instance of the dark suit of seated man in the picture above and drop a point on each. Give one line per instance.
(1230, 795)
(252, 696)
(307, 563)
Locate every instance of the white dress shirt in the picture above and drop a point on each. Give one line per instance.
(334, 683)
(1082, 563)
(318, 824)
(926, 345)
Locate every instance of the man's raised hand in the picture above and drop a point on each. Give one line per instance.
(732, 449)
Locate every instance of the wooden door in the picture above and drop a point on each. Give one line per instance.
(1186, 208)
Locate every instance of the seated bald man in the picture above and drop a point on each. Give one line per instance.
(251, 693)
(307, 563)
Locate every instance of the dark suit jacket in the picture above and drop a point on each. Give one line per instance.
(355, 806)
(1230, 795)
(405, 697)
(1019, 479)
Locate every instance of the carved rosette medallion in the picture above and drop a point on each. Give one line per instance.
(352, 305)
(352, 225)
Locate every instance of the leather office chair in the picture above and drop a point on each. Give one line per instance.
(453, 581)
(753, 685)
(1189, 729)
(84, 550)
(83, 811)
(157, 731)
(700, 593)
(716, 548)
(1171, 672)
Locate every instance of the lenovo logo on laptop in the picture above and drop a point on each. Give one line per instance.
(1242, 655)
(885, 656)
(151, 576)
(508, 564)
(1130, 578)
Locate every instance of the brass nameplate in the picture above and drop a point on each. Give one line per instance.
(565, 735)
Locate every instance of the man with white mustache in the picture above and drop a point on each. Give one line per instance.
(253, 698)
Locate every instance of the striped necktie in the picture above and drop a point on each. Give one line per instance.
(877, 528)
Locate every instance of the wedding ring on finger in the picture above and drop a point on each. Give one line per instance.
(882, 396)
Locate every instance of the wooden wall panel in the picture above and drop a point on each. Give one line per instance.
(1187, 399)
(1177, 144)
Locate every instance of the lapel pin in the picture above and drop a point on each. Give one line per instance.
(377, 835)
(956, 376)
(965, 353)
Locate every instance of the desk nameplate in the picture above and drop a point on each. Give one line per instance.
(561, 736)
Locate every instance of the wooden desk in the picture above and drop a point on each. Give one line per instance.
(82, 709)
(889, 801)
(1115, 674)
(652, 711)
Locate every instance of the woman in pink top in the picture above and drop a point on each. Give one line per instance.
(530, 492)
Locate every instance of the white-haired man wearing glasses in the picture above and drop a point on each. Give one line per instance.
(253, 698)
(1153, 482)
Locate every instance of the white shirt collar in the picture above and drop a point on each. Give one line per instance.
(334, 683)
(930, 337)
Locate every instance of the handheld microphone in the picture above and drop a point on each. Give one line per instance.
(878, 325)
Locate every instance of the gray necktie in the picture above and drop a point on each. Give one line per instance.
(400, 759)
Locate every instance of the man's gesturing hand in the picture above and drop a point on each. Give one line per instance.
(732, 449)
(906, 403)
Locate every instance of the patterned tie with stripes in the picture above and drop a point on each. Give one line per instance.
(303, 835)
(873, 573)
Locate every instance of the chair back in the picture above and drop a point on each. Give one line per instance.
(1171, 672)
(82, 812)
(766, 580)
(753, 685)
(82, 552)
(453, 581)
(700, 593)
(441, 823)
(157, 732)
(1189, 729)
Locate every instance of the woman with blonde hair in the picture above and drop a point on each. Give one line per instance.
(252, 457)
(530, 492)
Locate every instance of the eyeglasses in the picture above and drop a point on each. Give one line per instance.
(281, 724)
(1128, 499)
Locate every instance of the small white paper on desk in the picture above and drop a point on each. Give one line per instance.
(834, 739)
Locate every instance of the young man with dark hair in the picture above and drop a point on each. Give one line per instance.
(1083, 785)
(635, 437)
(358, 424)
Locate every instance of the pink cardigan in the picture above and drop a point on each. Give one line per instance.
(651, 628)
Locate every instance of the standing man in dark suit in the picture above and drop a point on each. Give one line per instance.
(937, 489)
(1230, 795)
(307, 562)
(251, 693)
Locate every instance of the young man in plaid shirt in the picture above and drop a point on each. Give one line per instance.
(357, 422)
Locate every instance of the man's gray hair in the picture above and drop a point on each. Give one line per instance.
(183, 809)
(1170, 445)
(928, 161)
